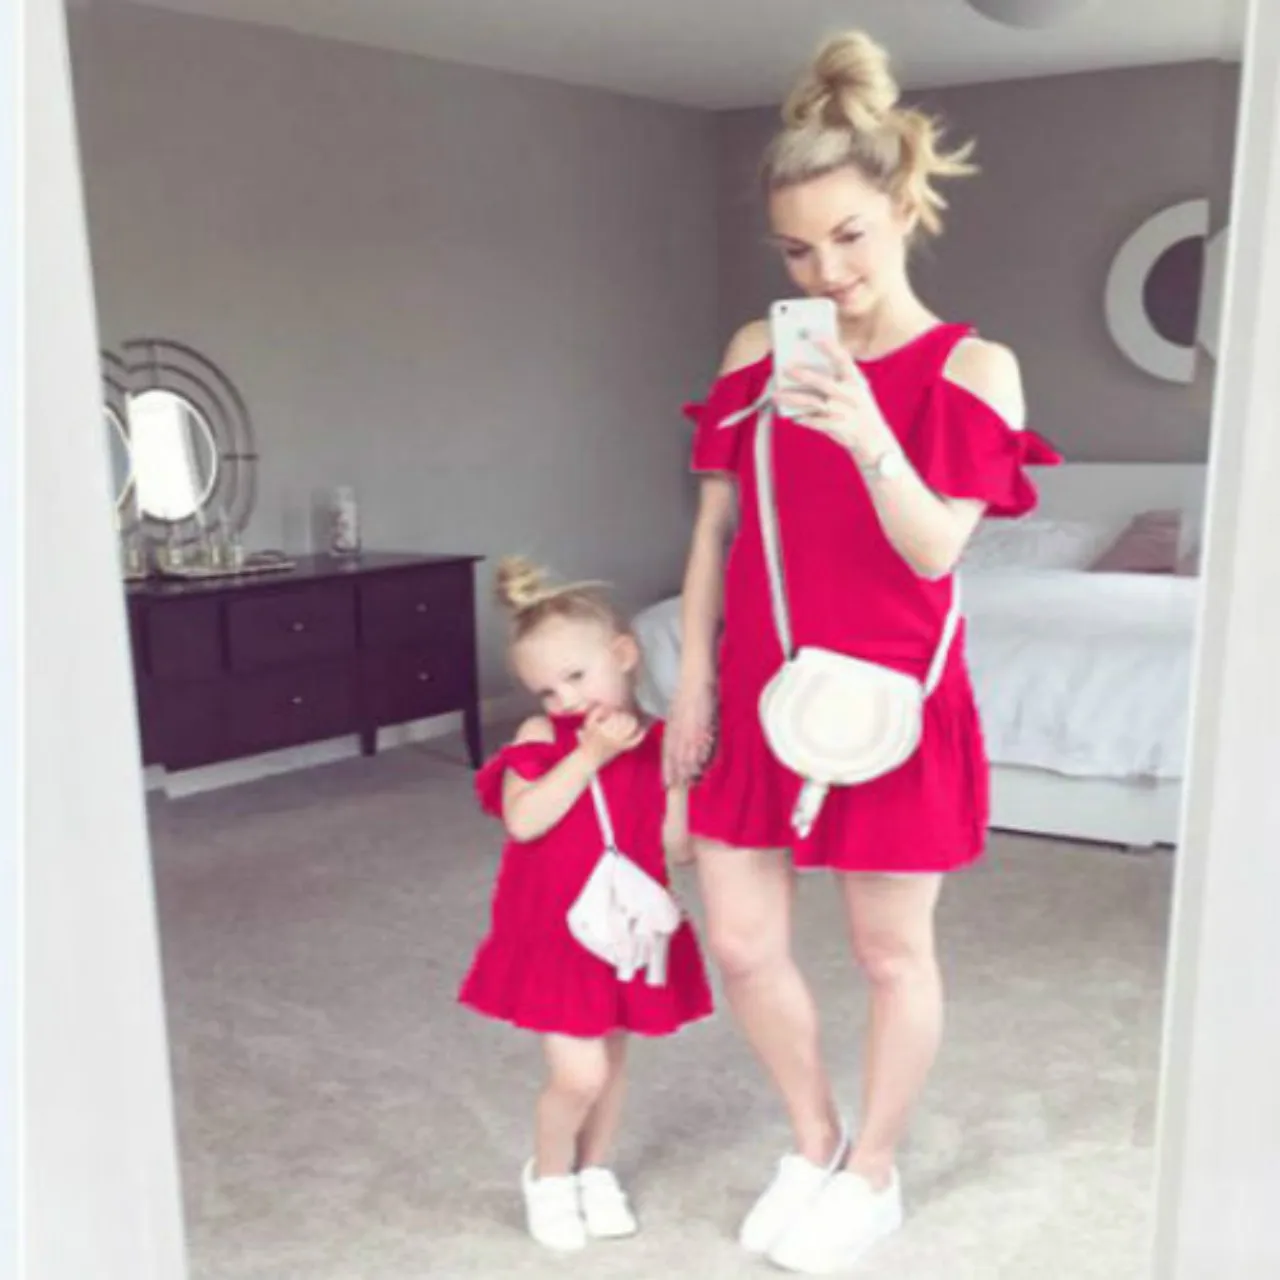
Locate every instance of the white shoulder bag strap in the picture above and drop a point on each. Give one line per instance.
(602, 815)
(645, 947)
(767, 504)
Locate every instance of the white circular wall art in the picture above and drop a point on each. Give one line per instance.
(1164, 291)
(1029, 13)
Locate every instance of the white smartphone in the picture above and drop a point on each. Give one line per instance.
(796, 325)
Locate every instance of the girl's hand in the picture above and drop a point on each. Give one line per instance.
(605, 735)
(839, 402)
(690, 735)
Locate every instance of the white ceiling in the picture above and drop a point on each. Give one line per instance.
(736, 53)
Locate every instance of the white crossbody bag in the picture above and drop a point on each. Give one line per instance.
(623, 915)
(832, 719)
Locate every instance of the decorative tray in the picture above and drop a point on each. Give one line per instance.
(252, 565)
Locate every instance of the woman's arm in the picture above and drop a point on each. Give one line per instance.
(690, 722)
(702, 597)
(928, 530)
(688, 737)
(675, 827)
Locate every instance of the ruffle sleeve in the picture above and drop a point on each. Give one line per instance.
(528, 759)
(966, 450)
(717, 443)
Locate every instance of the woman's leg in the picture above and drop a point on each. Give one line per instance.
(577, 1079)
(891, 926)
(596, 1141)
(748, 895)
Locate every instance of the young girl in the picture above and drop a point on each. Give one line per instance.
(571, 649)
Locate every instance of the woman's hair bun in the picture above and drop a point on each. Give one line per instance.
(848, 84)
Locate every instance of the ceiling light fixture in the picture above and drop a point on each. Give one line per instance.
(1029, 13)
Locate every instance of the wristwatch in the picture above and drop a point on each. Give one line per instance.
(889, 464)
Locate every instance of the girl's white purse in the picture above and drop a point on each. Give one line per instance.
(833, 719)
(623, 915)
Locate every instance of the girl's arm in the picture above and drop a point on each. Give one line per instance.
(530, 808)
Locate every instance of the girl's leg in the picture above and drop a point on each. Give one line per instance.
(606, 1211)
(577, 1077)
(596, 1141)
(577, 1073)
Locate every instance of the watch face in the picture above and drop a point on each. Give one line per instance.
(890, 465)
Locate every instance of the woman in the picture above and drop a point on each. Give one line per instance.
(885, 464)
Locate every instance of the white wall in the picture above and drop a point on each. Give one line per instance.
(98, 1157)
(477, 297)
(1219, 1186)
(10, 521)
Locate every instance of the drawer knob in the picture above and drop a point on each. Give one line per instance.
(420, 607)
(299, 626)
(424, 677)
(297, 700)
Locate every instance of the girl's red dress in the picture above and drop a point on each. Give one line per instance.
(529, 970)
(850, 591)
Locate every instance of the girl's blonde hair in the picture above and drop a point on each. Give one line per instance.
(844, 111)
(523, 590)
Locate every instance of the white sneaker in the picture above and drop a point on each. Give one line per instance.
(795, 1185)
(552, 1212)
(840, 1226)
(605, 1209)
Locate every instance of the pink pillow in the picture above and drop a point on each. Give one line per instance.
(1149, 544)
(1189, 564)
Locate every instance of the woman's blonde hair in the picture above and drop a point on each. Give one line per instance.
(844, 111)
(523, 590)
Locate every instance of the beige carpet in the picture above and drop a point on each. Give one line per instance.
(342, 1119)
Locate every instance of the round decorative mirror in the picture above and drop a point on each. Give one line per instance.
(175, 455)
(182, 443)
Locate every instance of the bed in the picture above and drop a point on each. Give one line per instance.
(1082, 678)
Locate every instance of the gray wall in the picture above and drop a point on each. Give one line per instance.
(481, 298)
(1071, 165)
(478, 298)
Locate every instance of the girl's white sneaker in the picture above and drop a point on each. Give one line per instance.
(606, 1211)
(552, 1211)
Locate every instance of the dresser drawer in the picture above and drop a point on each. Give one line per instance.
(135, 613)
(184, 725)
(282, 709)
(282, 628)
(182, 640)
(431, 606)
(411, 684)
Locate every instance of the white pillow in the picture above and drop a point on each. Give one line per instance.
(1035, 542)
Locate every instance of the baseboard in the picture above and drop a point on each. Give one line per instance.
(232, 773)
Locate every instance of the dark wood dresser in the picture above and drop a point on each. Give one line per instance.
(238, 666)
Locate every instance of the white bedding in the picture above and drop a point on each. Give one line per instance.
(1086, 674)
